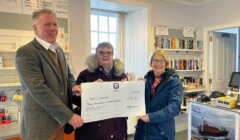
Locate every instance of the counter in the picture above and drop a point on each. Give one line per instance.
(211, 122)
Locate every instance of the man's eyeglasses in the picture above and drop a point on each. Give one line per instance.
(105, 53)
(161, 61)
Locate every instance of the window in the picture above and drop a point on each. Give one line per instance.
(104, 27)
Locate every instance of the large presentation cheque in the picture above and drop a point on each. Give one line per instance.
(112, 99)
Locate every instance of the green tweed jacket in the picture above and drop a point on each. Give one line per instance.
(44, 105)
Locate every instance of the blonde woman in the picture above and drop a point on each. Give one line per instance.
(163, 101)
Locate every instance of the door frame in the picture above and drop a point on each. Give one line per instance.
(206, 49)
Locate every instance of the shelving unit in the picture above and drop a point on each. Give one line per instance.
(185, 56)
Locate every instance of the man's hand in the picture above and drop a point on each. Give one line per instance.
(77, 90)
(145, 118)
(76, 121)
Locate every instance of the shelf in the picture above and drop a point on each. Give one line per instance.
(67, 51)
(10, 130)
(6, 85)
(182, 50)
(8, 103)
(194, 90)
(7, 68)
(190, 70)
(8, 50)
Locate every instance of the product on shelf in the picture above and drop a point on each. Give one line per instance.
(227, 102)
(1, 61)
(2, 112)
(4, 118)
(18, 97)
(3, 97)
(186, 64)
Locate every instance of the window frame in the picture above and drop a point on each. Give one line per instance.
(117, 15)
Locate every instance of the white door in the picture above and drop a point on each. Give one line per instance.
(223, 57)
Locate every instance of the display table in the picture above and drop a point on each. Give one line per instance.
(10, 130)
(211, 122)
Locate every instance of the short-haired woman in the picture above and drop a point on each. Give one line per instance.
(102, 67)
(163, 96)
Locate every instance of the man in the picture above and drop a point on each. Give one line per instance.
(45, 78)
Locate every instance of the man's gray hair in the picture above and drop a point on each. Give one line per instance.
(38, 12)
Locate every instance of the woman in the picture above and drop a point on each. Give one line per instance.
(163, 100)
(102, 67)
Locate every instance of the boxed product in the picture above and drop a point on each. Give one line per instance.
(228, 102)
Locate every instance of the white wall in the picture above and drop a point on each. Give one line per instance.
(79, 21)
(215, 13)
(172, 14)
(220, 12)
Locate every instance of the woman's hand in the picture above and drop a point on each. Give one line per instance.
(141, 78)
(125, 79)
(145, 118)
(99, 80)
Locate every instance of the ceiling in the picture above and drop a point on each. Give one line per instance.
(113, 6)
(191, 2)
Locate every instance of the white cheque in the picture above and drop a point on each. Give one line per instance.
(106, 100)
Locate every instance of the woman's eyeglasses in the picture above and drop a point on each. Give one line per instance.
(156, 61)
(105, 53)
